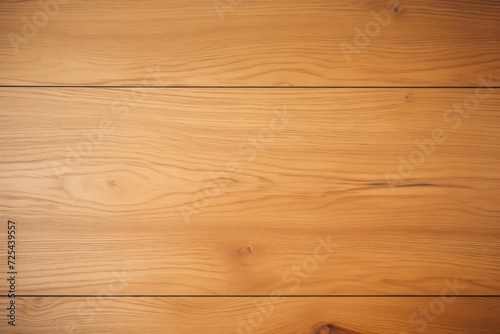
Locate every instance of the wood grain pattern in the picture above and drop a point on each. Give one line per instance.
(316, 171)
(258, 315)
(258, 42)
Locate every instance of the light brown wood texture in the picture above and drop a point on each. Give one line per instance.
(135, 204)
(258, 315)
(251, 166)
(253, 42)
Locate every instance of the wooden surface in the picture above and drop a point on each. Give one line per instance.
(147, 198)
(260, 315)
(257, 42)
(237, 166)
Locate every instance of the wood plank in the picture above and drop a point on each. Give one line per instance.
(258, 42)
(156, 195)
(257, 315)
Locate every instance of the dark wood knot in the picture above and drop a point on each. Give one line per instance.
(326, 329)
(244, 251)
(395, 7)
(331, 329)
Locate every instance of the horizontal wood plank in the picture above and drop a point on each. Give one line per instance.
(258, 42)
(257, 315)
(216, 191)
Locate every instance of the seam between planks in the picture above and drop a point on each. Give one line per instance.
(253, 87)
